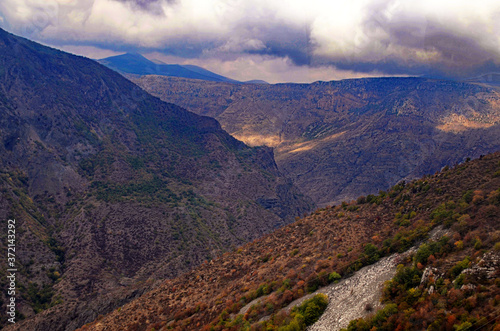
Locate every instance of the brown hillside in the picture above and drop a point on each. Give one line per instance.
(298, 258)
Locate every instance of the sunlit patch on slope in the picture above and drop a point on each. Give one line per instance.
(306, 146)
(255, 139)
(458, 123)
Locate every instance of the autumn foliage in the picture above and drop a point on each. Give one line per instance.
(334, 242)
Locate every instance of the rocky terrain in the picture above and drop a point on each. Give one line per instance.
(341, 139)
(113, 189)
(360, 295)
(353, 295)
(450, 280)
(131, 212)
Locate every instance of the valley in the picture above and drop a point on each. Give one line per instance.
(138, 211)
(341, 139)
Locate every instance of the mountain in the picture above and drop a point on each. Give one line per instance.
(448, 281)
(341, 139)
(491, 79)
(256, 81)
(112, 189)
(136, 64)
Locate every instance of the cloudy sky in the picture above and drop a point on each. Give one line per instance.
(275, 40)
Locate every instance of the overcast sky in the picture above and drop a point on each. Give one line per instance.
(275, 40)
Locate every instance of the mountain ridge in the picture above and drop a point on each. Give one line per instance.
(137, 64)
(113, 188)
(340, 139)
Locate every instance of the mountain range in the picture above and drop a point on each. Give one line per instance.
(134, 213)
(341, 139)
(136, 64)
(113, 189)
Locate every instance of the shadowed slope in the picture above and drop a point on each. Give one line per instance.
(113, 188)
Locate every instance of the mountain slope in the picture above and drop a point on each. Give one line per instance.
(247, 288)
(341, 139)
(137, 64)
(112, 188)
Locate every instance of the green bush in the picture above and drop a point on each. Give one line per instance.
(305, 315)
(423, 254)
(468, 196)
(478, 244)
(464, 326)
(382, 315)
(497, 246)
(361, 200)
(444, 213)
(371, 254)
(313, 308)
(405, 278)
(296, 324)
(334, 277)
(459, 267)
(40, 297)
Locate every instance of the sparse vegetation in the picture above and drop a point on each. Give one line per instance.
(299, 262)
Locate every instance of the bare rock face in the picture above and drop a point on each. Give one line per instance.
(429, 273)
(113, 188)
(356, 296)
(487, 268)
(342, 139)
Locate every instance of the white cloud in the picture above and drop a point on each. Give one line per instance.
(368, 30)
(270, 69)
(89, 51)
(451, 32)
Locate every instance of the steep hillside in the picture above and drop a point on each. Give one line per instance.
(451, 282)
(112, 188)
(338, 140)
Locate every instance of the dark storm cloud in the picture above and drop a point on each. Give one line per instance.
(153, 6)
(387, 66)
(424, 37)
(456, 49)
(286, 41)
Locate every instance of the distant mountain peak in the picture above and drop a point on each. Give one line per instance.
(156, 61)
(137, 64)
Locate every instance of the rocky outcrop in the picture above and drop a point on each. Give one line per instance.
(487, 268)
(430, 273)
